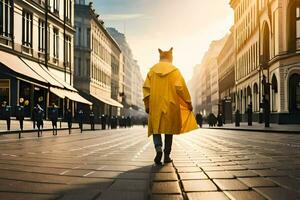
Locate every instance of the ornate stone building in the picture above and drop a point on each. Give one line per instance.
(267, 47)
(97, 62)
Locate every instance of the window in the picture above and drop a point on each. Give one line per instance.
(88, 35)
(298, 27)
(56, 6)
(27, 29)
(78, 36)
(55, 43)
(42, 35)
(68, 10)
(68, 50)
(4, 90)
(6, 14)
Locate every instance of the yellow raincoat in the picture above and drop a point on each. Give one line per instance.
(168, 100)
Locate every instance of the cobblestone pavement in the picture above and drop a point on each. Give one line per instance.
(208, 164)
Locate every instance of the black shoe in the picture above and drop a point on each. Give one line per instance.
(157, 158)
(167, 158)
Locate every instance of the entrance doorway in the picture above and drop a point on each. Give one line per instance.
(294, 93)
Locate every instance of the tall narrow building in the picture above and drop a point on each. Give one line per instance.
(97, 62)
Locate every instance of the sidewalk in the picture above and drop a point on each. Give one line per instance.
(274, 128)
(28, 126)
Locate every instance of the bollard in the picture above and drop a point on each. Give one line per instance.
(237, 118)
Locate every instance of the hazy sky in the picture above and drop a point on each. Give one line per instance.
(187, 25)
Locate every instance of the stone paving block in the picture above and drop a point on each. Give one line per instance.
(171, 187)
(234, 167)
(164, 177)
(133, 175)
(212, 168)
(244, 195)
(278, 193)
(102, 174)
(230, 184)
(166, 197)
(124, 195)
(162, 169)
(242, 173)
(26, 196)
(270, 172)
(80, 193)
(207, 195)
(257, 182)
(192, 176)
(287, 182)
(188, 169)
(219, 174)
(198, 186)
(130, 185)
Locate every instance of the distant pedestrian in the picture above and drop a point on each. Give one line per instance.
(220, 119)
(54, 118)
(39, 120)
(34, 115)
(199, 119)
(92, 120)
(80, 120)
(69, 119)
(237, 118)
(6, 110)
(103, 122)
(20, 113)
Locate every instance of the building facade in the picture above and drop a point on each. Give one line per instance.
(226, 76)
(133, 81)
(266, 40)
(36, 54)
(204, 83)
(97, 62)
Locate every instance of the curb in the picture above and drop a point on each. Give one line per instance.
(257, 130)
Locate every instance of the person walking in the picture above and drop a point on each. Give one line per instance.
(168, 103)
(6, 109)
(80, 120)
(199, 119)
(54, 117)
(39, 119)
(92, 120)
(20, 114)
(69, 119)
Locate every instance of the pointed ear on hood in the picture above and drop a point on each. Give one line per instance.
(171, 49)
(160, 51)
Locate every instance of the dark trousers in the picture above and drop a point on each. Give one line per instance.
(21, 124)
(157, 140)
(8, 124)
(81, 126)
(54, 127)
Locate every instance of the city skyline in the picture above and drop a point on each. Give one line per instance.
(145, 35)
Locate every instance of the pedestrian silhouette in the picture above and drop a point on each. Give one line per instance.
(6, 110)
(20, 115)
(69, 119)
(92, 120)
(168, 102)
(80, 120)
(199, 119)
(54, 118)
(39, 119)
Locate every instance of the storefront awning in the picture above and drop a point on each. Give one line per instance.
(15, 64)
(74, 96)
(42, 72)
(108, 101)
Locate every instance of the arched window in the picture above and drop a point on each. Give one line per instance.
(274, 93)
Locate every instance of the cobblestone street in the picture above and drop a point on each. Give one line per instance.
(208, 164)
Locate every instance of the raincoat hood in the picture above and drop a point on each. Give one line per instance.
(163, 68)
